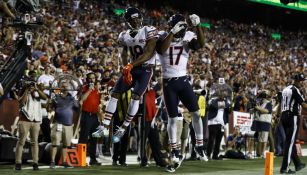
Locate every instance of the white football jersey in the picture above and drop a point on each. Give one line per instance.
(136, 44)
(174, 61)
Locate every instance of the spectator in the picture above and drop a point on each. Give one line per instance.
(46, 79)
(279, 133)
(64, 106)
(263, 119)
(151, 131)
(89, 118)
(218, 111)
(120, 148)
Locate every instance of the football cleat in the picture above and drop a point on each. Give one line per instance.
(177, 165)
(170, 168)
(101, 131)
(200, 153)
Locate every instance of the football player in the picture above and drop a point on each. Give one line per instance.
(140, 41)
(173, 48)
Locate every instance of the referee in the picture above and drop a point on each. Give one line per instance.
(292, 99)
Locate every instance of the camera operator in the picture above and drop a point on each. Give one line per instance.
(30, 119)
(263, 118)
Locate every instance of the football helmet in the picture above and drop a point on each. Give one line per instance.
(173, 20)
(133, 18)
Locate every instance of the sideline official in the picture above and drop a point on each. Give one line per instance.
(292, 99)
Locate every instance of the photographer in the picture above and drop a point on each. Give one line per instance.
(263, 118)
(30, 119)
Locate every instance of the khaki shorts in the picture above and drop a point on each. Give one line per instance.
(263, 136)
(65, 135)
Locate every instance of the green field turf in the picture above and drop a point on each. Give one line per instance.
(224, 167)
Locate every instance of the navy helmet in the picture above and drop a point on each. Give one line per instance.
(173, 20)
(133, 18)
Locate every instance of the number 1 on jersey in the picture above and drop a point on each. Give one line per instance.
(171, 49)
(136, 51)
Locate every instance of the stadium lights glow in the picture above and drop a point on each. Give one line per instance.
(206, 25)
(119, 12)
(301, 5)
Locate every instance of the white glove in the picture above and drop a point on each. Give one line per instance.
(195, 20)
(178, 27)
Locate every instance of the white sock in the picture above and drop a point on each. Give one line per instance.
(198, 128)
(132, 110)
(110, 109)
(172, 132)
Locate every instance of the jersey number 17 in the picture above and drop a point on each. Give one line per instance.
(179, 50)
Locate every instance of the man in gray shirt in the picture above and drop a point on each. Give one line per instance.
(64, 105)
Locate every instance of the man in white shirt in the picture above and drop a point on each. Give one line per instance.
(218, 110)
(46, 79)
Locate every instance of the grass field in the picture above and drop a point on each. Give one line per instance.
(224, 167)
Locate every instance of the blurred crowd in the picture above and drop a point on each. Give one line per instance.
(80, 37)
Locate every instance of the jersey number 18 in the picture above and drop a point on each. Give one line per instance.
(136, 51)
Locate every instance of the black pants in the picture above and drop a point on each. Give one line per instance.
(120, 148)
(45, 127)
(88, 124)
(290, 123)
(193, 141)
(215, 137)
(152, 135)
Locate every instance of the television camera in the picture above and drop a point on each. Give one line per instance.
(26, 21)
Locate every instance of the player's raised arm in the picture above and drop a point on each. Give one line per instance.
(177, 26)
(200, 41)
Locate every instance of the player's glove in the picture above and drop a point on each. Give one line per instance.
(127, 75)
(178, 27)
(128, 79)
(195, 20)
(127, 69)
